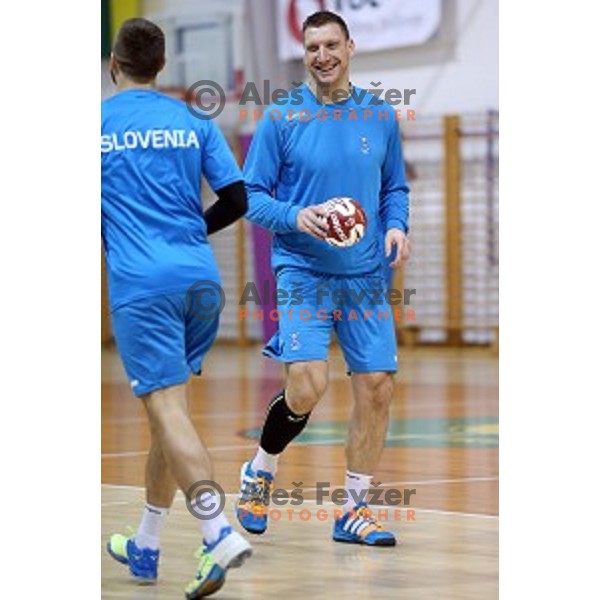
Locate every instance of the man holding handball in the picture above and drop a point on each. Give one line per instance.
(154, 153)
(328, 147)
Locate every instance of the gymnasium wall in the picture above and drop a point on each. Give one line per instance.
(454, 73)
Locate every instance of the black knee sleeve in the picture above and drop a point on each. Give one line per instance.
(281, 425)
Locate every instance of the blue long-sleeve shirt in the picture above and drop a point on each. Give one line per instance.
(304, 153)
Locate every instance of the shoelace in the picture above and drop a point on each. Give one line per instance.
(204, 556)
(206, 561)
(258, 491)
(200, 552)
(369, 517)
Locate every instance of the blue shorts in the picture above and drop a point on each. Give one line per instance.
(312, 305)
(162, 340)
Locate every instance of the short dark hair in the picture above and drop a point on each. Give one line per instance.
(323, 17)
(140, 49)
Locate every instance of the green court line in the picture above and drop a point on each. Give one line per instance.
(458, 432)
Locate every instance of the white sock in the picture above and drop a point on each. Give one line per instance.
(263, 461)
(210, 527)
(356, 484)
(148, 533)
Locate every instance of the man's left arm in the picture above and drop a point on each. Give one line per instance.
(394, 208)
(231, 205)
(225, 178)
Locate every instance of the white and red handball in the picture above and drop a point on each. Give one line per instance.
(346, 221)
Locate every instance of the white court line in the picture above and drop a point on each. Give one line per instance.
(179, 496)
(394, 413)
(215, 416)
(144, 452)
(389, 507)
(436, 511)
(123, 454)
(383, 485)
(424, 482)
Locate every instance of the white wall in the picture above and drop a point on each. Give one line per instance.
(106, 85)
(150, 7)
(456, 72)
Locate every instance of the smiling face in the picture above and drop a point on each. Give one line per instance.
(327, 54)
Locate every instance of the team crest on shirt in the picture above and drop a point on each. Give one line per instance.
(294, 341)
(364, 145)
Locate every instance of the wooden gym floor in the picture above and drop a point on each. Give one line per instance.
(442, 442)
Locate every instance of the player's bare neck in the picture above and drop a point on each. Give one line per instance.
(123, 83)
(333, 94)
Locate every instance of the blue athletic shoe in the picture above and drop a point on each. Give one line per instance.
(359, 527)
(255, 495)
(228, 552)
(142, 562)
